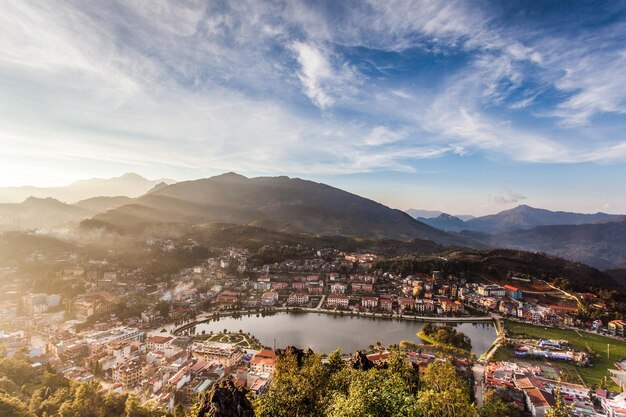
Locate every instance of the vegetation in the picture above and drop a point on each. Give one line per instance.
(497, 263)
(495, 407)
(304, 386)
(26, 393)
(445, 335)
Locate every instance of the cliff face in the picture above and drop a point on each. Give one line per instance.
(226, 400)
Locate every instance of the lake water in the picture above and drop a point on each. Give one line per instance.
(325, 333)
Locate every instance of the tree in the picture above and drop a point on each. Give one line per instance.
(443, 393)
(179, 411)
(335, 361)
(495, 407)
(560, 409)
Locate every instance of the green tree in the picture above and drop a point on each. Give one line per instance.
(443, 393)
(374, 393)
(495, 407)
(560, 409)
(179, 411)
(335, 361)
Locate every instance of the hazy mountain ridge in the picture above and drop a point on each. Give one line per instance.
(301, 204)
(525, 217)
(39, 213)
(601, 244)
(445, 222)
(129, 185)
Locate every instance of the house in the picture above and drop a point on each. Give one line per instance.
(298, 298)
(369, 302)
(279, 285)
(298, 285)
(512, 292)
(263, 361)
(491, 290)
(269, 298)
(224, 353)
(449, 306)
(338, 288)
(337, 300)
(386, 303)
(405, 303)
(316, 287)
(617, 327)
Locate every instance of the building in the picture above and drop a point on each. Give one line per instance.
(269, 298)
(617, 327)
(263, 361)
(298, 298)
(223, 353)
(386, 303)
(338, 288)
(336, 300)
(405, 303)
(491, 290)
(512, 292)
(369, 302)
(449, 306)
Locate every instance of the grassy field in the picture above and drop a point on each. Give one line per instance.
(579, 340)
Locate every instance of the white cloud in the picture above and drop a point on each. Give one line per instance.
(507, 196)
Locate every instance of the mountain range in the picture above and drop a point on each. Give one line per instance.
(522, 217)
(129, 185)
(279, 203)
(299, 207)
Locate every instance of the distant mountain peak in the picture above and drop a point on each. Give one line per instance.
(132, 176)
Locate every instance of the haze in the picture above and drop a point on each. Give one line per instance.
(461, 107)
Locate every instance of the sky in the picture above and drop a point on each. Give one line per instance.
(463, 107)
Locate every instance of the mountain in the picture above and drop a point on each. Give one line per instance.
(303, 205)
(39, 212)
(429, 214)
(129, 185)
(445, 222)
(100, 204)
(525, 217)
(425, 214)
(602, 245)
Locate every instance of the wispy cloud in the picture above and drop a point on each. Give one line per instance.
(277, 86)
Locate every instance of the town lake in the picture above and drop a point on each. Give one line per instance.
(326, 332)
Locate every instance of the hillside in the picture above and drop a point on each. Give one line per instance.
(497, 263)
(291, 203)
(39, 212)
(602, 245)
(525, 217)
(100, 204)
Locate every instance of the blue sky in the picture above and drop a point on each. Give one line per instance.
(465, 107)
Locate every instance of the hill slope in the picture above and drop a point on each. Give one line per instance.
(303, 205)
(39, 212)
(602, 245)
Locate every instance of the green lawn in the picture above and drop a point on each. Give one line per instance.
(578, 340)
(239, 339)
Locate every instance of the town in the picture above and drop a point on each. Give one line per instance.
(141, 337)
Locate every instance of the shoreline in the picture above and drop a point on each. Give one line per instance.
(423, 319)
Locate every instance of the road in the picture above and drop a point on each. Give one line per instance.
(479, 382)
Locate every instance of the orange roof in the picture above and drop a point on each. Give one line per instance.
(511, 288)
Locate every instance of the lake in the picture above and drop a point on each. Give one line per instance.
(325, 333)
